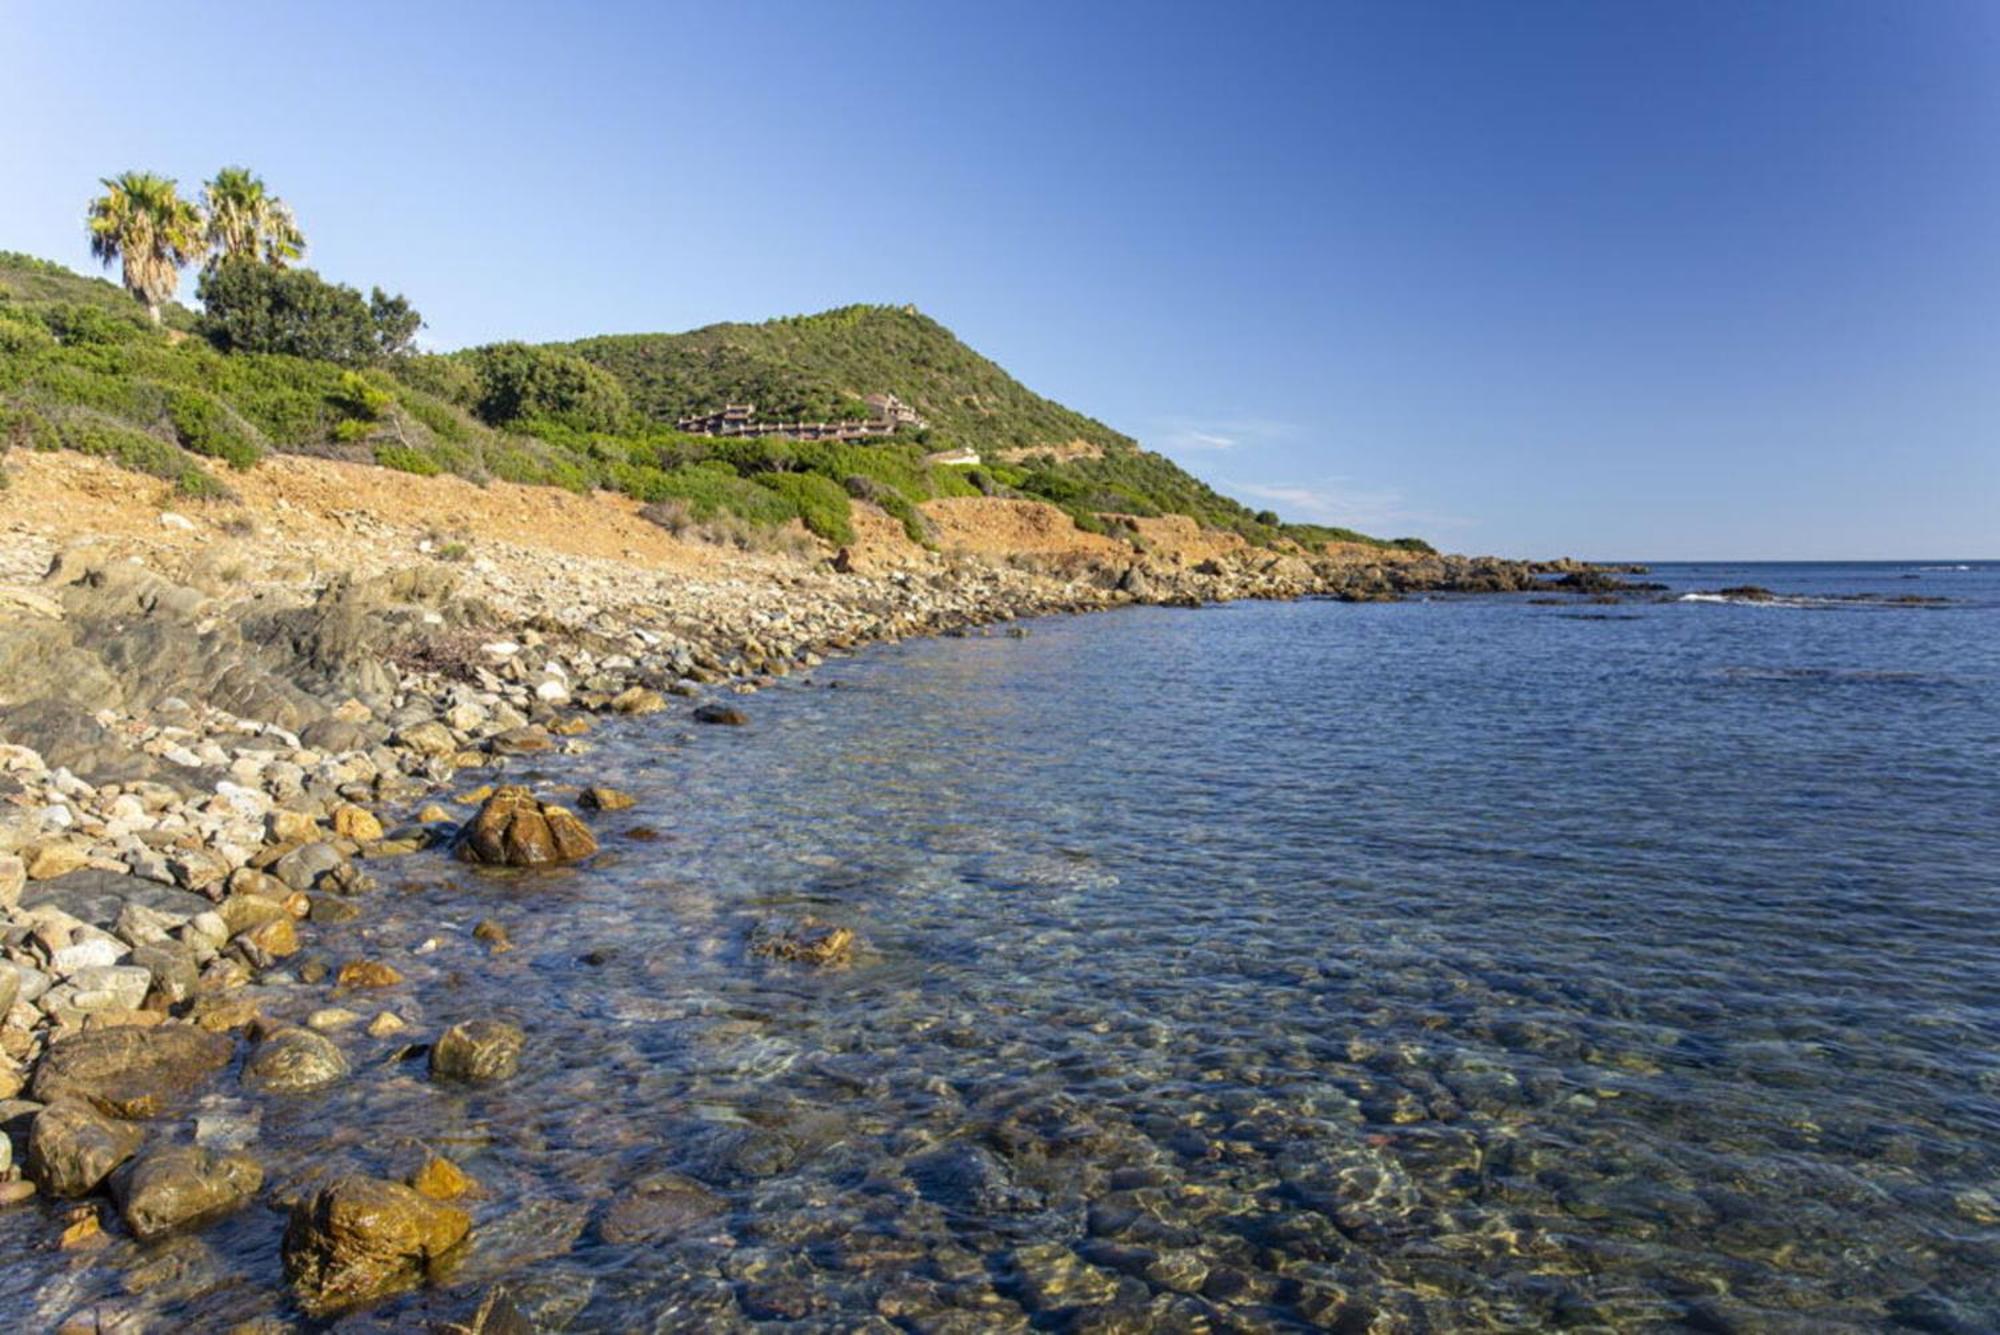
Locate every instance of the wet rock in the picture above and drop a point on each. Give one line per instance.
(657, 1208)
(360, 1238)
(971, 1178)
(494, 934)
(367, 974)
(1052, 1278)
(294, 1061)
(803, 940)
(638, 700)
(72, 1147)
(182, 1186)
(514, 829)
(440, 1179)
(130, 1072)
(600, 798)
(477, 1051)
(725, 715)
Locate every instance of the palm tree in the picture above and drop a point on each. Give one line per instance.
(245, 219)
(144, 222)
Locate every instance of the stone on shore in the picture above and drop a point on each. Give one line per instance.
(514, 829)
(477, 1051)
(360, 1238)
(72, 1147)
(182, 1186)
(294, 1061)
(130, 1072)
(638, 700)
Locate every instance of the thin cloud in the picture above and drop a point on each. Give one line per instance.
(1338, 501)
(1211, 434)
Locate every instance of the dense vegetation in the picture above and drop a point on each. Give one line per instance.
(819, 367)
(281, 360)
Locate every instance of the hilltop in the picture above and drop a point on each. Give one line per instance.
(813, 367)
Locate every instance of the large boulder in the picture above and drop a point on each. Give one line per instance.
(182, 1186)
(477, 1051)
(98, 897)
(294, 1061)
(360, 1238)
(72, 1147)
(514, 829)
(130, 1071)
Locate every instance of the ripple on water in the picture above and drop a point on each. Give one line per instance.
(1393, 967)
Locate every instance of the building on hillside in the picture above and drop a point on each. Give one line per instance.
(889, 408)
(887, 414)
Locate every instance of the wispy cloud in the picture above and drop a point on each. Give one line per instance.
(1171, 434)
(1339, 501)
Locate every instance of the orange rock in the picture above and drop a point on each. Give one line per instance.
(440, 1179)
(367, 973)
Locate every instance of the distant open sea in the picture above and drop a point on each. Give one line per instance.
(1460, 963)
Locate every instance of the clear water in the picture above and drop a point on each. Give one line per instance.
(1450, 964)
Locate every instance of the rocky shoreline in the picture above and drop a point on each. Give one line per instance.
(209, 753)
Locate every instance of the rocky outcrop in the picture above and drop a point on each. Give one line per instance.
(359, 1238)
(182, 1186)
(514, 829)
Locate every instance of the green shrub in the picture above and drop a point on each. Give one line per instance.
(357, 398)
(91, 433)
(820, 503)
(406, 460)
(24, 426)
(518, 383)
(205, 425)
(198, 483)
(449, 378)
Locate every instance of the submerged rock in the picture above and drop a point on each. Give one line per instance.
(294, 1061)
(477, 1051)
(130, 1071)
(726, 715)
(360, 1238)
(514, 829)
(72, 1147)
(183, 1186)
(804, 940)
(656, 1208)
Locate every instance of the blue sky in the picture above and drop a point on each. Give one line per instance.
(1614, 280)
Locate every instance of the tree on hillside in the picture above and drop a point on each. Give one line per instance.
(143, 222)
(247, 221)
(248, 306)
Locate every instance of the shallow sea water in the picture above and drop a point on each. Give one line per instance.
(1449, 964)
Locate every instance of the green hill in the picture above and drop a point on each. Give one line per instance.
(82, 369)
(819, 367)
